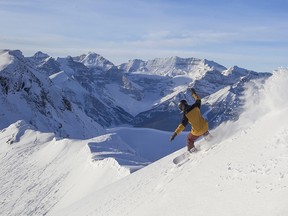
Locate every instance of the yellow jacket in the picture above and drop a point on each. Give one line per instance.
(192, 115)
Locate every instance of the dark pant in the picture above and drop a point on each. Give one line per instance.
(192, 138)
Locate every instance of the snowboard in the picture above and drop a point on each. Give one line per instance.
(184, 157)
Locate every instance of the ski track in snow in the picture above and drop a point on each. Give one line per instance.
(38, 174)
(14, 168)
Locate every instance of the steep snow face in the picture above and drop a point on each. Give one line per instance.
(242, 171)
(98, 93)
(28, 94)
(45, 63)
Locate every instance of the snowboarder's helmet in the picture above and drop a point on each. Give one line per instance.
(181, 104)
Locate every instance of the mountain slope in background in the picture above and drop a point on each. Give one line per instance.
(28, 94)
(210, 80)
(138, 93)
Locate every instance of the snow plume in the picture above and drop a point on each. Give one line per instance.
(262, 96)
(277, 89)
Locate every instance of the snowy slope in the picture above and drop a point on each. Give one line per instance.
(40, 170)
(245, 173)
(44, 174)
(40, 173)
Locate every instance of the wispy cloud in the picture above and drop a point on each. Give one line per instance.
(121, 30)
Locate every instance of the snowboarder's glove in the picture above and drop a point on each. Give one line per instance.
(193, 91)
(194, 94)
(173, 136)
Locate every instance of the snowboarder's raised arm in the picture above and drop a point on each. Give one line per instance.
(196, 98)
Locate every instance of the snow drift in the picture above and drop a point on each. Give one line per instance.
(41, 173)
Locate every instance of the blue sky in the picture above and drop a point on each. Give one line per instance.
(248, 33)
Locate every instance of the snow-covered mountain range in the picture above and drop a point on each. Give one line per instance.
(51, 93)
(242, 171)
(28, 94)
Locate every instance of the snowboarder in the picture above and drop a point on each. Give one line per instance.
(191, 114)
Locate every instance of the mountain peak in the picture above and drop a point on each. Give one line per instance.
(214, 65)
(94, 60)
(236, 70)
(40, 55)
(7, 57)
(14, 53)
(133, 66)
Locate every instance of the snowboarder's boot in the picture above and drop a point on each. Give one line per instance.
(193, 150)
